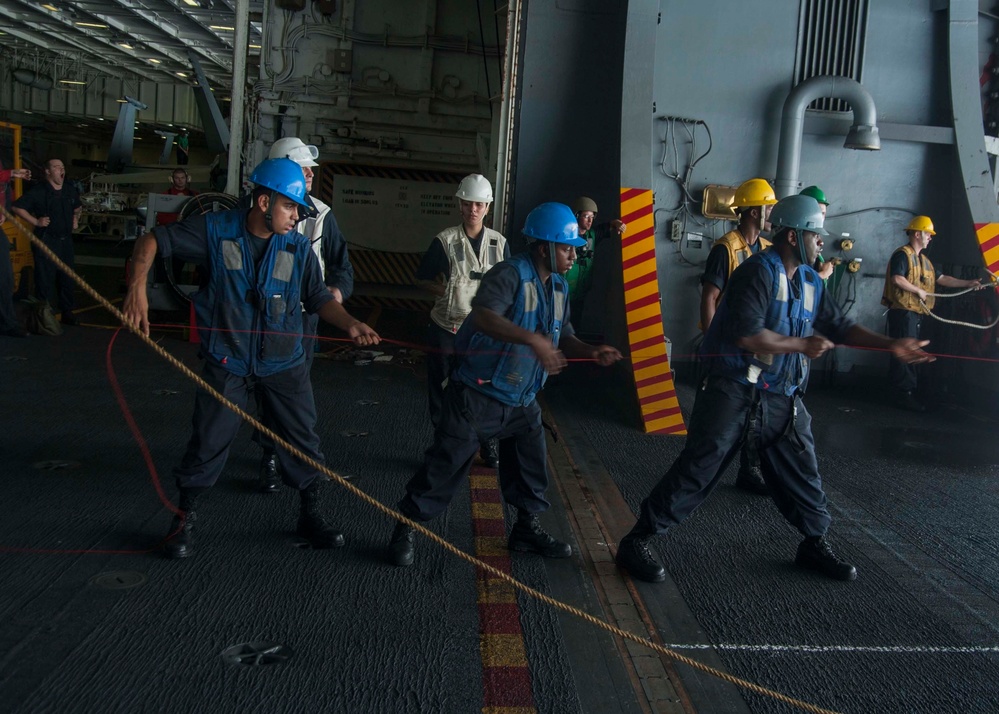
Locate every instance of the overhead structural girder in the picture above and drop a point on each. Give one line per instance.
(216, 131)
(120, 154)
(966, 103)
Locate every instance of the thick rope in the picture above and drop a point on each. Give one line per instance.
(957, 294)
(495, 572)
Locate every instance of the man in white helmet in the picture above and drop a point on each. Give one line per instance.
(452, 270)
(330, 246)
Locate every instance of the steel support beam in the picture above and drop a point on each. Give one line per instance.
(232, 182)
(966, 104)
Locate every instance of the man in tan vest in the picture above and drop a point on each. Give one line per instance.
(909, 285)
(753, 200)
(452, 269)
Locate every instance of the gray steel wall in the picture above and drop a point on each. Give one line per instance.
(731, 65)
(570, 109)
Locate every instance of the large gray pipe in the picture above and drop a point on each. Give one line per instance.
(863, 134)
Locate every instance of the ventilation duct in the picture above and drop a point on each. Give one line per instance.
(32, 79)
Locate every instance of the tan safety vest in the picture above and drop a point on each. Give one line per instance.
(738, 250)
(467, 269)
(921, 274)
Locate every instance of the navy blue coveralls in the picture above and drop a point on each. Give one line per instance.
(52, 284)
(250, 322)
(491, 394)
(739, 385)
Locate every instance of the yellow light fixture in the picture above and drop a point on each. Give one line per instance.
(223, 28)
(192, 3)
(71, 81)
(254, 47)
(98, 25)
(53, 8)
(154, 60)
(124, 43)
(181, 74)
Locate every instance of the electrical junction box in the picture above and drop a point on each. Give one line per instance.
(675, 231)
(697, 241)
(341, 60)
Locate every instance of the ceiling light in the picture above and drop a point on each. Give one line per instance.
(181, 74)
(254, 47)
(71, 81)
(53, 8)
(223, 28)
(124, 43)
(122, 101)
(192, 3)
(154, 60)
(92, 24)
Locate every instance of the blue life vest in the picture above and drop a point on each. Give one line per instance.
(250, 320)
(790, 313)
(511, 373)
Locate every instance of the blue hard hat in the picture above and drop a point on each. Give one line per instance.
(282, 176)
(554, 223)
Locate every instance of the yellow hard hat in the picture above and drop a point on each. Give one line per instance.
(754, 192)
(921, 223)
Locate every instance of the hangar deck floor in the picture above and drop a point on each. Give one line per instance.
(94, 620)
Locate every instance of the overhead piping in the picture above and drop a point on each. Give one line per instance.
(863, 134)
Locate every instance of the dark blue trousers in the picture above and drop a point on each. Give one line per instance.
(902, 323)
(310, 332)
(288, 401)
(52, 284)
(467, 418)
(8, 319)
(783, 434)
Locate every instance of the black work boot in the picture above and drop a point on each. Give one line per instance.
(750, 479)
(311, 524)
(489, 453)
(815, 553)
(634, 556)
(527, 536)
(180, 539)
(269, 481)
(401, 546)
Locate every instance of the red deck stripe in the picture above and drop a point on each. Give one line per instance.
(656, 361)
(639, 259)
(639, 213)
(643, 323)
(631, 193)
(496, 618)
(650, 342)
(641, 280)
(657, 397)
(674, 429)
(629, 240)
(507, 687)
(501, 686)
(488, 527)
(661, 414)
(485, 495)
(650, 381)
(650, 299)
(990, 244)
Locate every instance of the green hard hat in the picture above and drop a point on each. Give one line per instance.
(815, 192)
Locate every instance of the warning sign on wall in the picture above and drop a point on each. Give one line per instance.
(387, 209)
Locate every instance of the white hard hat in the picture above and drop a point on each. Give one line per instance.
(475, 187)
(291, 147)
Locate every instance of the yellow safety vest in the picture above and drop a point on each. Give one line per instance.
(921, 274)
(738, 250)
